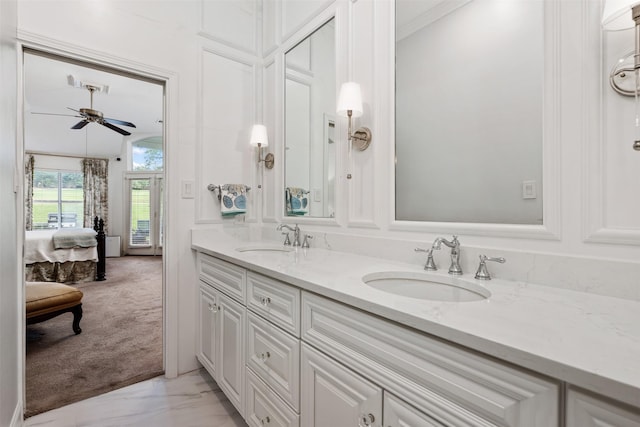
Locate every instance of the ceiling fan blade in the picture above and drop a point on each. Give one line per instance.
(119, 122)
(69, 108)
(55, 114)
(80, 124)
(117, 129)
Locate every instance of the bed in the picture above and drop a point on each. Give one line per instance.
(66, 255)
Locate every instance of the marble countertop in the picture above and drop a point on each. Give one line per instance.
(587, 340)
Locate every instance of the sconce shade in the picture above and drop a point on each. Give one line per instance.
(350, 98)
(259, 136)
(617, 14)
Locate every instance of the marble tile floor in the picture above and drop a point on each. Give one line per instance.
(191, 400)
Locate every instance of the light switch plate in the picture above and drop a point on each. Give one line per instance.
(529, 190)
(187, 191)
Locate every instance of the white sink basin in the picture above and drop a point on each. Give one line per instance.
(426, 286)
(264, 248)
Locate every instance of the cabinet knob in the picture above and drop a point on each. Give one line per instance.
(213, 308)
(366, 420)
(265, 420)
(265, 301)
(264, 356)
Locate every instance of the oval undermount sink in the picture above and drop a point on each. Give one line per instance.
(263, 248)
(426, 286)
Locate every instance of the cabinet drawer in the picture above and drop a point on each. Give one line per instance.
(274, 356)
(399, 413)
(225, 276)
(587, 410)
(454, 386)
(275, 301)
(264, 408)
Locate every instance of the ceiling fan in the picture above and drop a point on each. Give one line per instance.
(89, 115)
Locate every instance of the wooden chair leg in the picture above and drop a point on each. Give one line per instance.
(77, 315)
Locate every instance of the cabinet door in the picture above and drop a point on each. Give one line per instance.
(332, 395)
(584, 410)
(230, 367)
(399, 414)
(207, 328)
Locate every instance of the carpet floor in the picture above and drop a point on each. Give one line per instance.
(120, 343)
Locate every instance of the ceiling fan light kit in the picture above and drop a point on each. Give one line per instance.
(77, 83)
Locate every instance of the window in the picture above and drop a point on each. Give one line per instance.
(58, 199)
(146, 155)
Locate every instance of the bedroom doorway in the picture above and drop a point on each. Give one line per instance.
(65, 122)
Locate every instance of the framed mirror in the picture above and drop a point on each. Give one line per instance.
(470, 111)
(310, 150)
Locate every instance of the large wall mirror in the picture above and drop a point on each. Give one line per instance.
(469, 111)
(310, 148)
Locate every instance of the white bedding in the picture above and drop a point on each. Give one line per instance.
(38, 247)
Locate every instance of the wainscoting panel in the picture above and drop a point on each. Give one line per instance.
(226, 114)
(231, 22)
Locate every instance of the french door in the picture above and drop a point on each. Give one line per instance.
(144, 216)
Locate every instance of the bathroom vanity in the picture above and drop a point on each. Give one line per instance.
(297, 338)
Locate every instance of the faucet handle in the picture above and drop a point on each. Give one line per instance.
(287, 242)
(483, 273)
(430, 265)
(307, 237)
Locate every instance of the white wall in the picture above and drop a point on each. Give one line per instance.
(591, 174)
(11, 310)
(211, 89)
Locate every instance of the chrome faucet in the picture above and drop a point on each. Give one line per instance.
(305, 243)
(483, 273)
(430, 265)
(296, 233)
(454, 244)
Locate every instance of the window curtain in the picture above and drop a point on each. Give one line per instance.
(28, 190)
(96, 189)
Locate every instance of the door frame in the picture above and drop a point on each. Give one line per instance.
(31, 41)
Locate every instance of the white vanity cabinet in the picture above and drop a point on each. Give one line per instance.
(287, 357)
(585, 410)
(221, 326)
(452, 385)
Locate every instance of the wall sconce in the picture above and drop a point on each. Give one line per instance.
(625, 75)
(260, 139)
(350, 105)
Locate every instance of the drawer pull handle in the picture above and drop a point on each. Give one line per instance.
(264, 356)
(366, 420)
(265, 301)
(265, 420)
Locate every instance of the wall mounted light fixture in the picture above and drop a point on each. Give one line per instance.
(260, 139)
(625, 75)
(350, 105)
